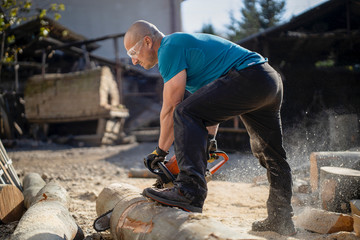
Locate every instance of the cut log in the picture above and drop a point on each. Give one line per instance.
(337, 187)
(356, 224)
(32, 184)
(355, 207)
(140, 173)
(332, 159)
(324, 222)
(136, 217)
(11, 203)
(48, 217)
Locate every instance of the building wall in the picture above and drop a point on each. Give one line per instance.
(94, 18)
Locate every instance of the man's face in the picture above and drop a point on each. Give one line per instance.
(142, 53)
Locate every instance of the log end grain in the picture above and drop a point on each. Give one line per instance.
(357, 224)
(11, 203)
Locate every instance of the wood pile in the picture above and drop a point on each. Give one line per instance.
(90, 95)
(334, 181)
(47, 216)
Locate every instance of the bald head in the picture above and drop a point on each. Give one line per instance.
(140, 29)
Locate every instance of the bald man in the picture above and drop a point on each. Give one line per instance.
(225, 80)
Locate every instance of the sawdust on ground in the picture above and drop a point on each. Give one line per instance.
(84, 172)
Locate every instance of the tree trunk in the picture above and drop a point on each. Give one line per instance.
(135, 217)
(337, 187)
(11, 203)
(32, 184)
(334, 159)
(48, 217)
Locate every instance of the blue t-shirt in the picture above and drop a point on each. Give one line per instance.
(205, 57)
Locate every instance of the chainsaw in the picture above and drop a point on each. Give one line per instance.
(167, 172)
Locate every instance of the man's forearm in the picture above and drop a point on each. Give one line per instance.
(166, 138)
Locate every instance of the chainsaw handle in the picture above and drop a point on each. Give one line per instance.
(219, 165)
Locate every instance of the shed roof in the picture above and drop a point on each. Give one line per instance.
(333, 26)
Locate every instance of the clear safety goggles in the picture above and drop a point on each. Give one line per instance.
(134, 51)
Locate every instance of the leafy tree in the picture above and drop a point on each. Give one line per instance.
(257, 15)
(208, 28)
(16, 12)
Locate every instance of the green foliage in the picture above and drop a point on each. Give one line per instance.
(257, 15)
(16, 12)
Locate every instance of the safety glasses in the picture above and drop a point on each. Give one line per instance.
(134, 51)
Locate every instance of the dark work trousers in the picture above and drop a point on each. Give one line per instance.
(255, 94)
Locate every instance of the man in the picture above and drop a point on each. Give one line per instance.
(225, 80)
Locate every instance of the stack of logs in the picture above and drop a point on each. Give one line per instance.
(47, 216)
(335, 179)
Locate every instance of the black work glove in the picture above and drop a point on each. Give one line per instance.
(151, 160)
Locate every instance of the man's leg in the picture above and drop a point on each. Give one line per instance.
(264, 129)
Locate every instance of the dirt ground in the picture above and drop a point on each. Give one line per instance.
(84, 172)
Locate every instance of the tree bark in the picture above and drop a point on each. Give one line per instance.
(48, 217)
(337, 187)
(11, 203)
(135, 217)
(32, 184)
(334, 159)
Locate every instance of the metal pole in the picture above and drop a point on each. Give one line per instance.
(118, 69)
(43, 62)
(16, 67)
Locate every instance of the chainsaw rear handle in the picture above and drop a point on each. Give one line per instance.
(222, 162)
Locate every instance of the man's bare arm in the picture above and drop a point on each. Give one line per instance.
(173, 94)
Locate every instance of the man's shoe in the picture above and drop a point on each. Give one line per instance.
(283, 227)
(171, 197)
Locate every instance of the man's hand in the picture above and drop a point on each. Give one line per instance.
(151, 161)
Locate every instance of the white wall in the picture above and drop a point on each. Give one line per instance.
(94, 18)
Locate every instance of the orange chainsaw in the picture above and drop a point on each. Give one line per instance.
(168, 170)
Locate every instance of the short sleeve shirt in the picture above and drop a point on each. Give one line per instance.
(205, 57)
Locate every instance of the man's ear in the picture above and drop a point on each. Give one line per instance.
(148, 41)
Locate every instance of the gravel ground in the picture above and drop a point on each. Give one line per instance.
(233, 198)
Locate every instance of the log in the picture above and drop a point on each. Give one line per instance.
(11, 203)
(333, 159)
(337, 187)
(324, 222)
(48, 217)
(32, 184)
(140, 173)
(135, 217)
(356, 224)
